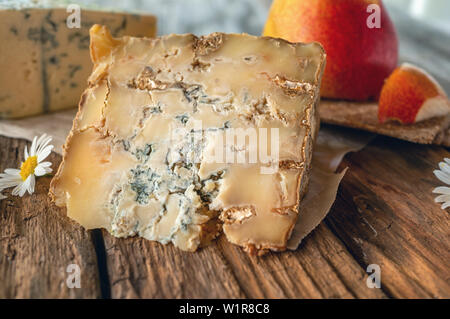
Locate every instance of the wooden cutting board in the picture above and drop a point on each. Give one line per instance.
(384, 214)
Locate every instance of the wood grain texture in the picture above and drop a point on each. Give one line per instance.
(140, 268)
(321, 269)
(38, 242)
(386, 215)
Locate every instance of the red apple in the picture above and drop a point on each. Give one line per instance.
(359, 58)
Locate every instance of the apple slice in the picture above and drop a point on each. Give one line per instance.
(411, 95)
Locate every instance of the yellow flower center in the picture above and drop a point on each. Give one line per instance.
(27, 167)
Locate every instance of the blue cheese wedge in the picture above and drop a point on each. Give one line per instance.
(143, 157)
(45, 64)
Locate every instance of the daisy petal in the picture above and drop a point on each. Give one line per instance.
(40, 171)
(43, 169)
(26, 152)
(24, 187)
(445, 205)
(40, 139)
(447, 160)
(23, 190)
(442, 190)
(42, 154)
(15, 191)
(45, 164)
(31, 183)
(33, 147)
(8, 178)
(7, 184)
(442, 176)
(2, 196)
(47, 141)
(442, 198)
(43, 142)
(12, 171)
(444, 167)
(19, 190)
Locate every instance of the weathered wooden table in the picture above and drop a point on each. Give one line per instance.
(384, 214)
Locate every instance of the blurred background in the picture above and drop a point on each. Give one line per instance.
(423, 25)
(433, 12)
(206, 16)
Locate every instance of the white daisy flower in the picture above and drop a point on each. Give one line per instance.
(24, 178)
(443, 174)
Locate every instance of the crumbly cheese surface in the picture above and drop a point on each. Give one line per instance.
(141, 158)
(45, 64)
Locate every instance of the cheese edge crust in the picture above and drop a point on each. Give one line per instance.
(313, 124)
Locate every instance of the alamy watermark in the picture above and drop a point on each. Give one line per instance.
(229, 145)
(374, 279)
(374, 19)
(73, 20)
(74, 276)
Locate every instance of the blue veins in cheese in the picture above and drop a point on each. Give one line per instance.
(137, 163)
(45, 64)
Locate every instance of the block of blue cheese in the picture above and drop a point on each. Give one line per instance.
(180, 137)
(45, 64)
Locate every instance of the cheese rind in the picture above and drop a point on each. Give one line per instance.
(153, 171)
(45, 64)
